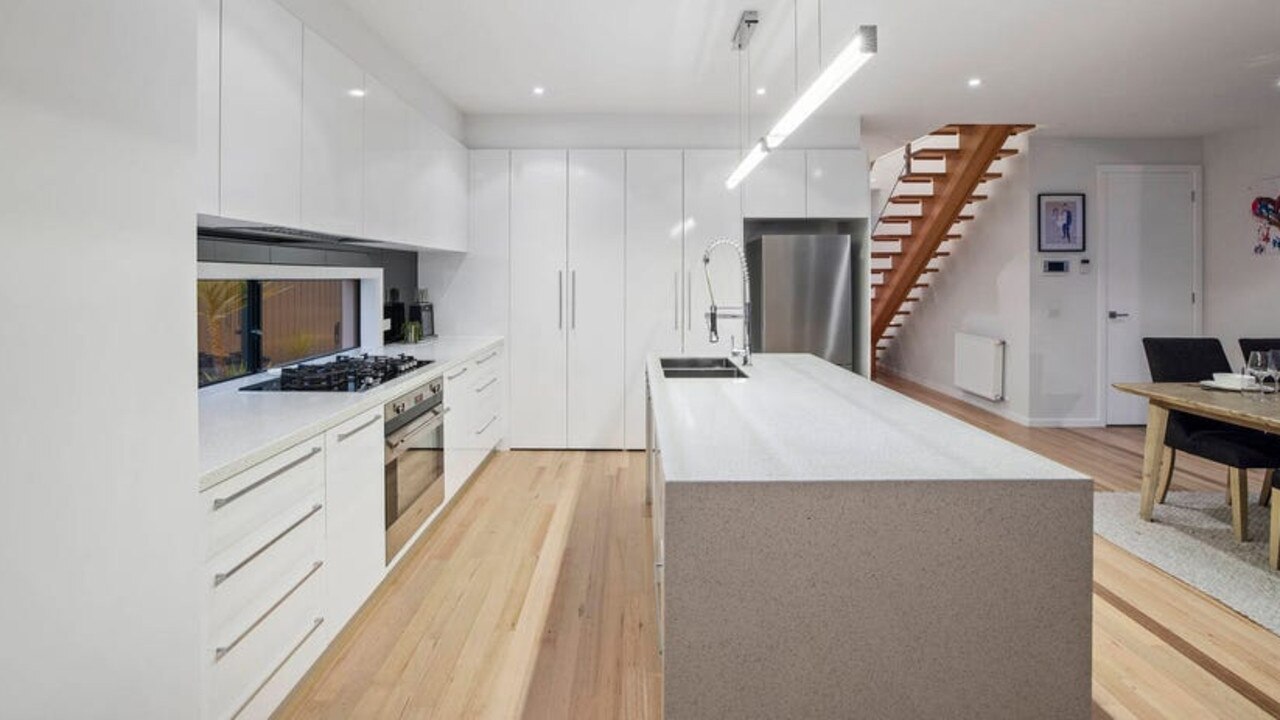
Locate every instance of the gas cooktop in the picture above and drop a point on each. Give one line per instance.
(344, 373)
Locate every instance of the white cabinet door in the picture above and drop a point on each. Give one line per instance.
(776, 188)
(538, 298)
(208, 92)
(354, 491)
(655, 243)
(386, 163)
(438, 215)
(458, 458)
(596, 297)
(261, 103)
(711, 213)
(838, 184)
(418, 197)
(332, 139)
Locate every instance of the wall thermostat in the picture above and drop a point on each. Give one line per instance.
(1056, 267)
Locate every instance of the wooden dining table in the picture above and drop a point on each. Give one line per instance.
(1249, 410)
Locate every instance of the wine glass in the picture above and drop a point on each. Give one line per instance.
(1273, 370)
(1257, 368)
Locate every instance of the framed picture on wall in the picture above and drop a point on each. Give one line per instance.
(1061, 222)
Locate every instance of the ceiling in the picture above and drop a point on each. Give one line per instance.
(1105, 68)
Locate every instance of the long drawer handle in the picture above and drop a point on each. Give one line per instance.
(492, 420)
(487, 358)
(219, 503)
(457, 375)
(485, 386)
(221, 652)
(222, 577)
(349, 433)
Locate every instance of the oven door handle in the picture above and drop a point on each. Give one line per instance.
(429, 422)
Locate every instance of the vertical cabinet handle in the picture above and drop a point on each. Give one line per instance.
(688, 300)
(675, 288)
(573, 295)
(560, 298)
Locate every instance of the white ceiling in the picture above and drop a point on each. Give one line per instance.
(1105, 68)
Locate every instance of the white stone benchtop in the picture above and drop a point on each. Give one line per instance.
(799, 418)
(240, 429)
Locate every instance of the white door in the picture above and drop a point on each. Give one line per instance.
(332, 139)
(261, 131)
(355, 513)
(655, 249)
(539, 289)
(386, 163)
(208, 109)
(596, 297)
(711, 212)
(837, 184)
(776, 189)
(1150, 230)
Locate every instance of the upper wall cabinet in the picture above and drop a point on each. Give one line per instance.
(208, 78)
(438, 188)
(837, 184)
(332, 139)
(387, 171)
(776, 188)
(261, 176)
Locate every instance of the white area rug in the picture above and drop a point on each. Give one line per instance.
(1191, 539)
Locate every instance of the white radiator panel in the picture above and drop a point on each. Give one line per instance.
(980, 365)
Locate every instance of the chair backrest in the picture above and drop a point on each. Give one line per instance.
(1185, 359)
(1248, 345)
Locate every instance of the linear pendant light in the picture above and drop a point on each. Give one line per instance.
(860, 49)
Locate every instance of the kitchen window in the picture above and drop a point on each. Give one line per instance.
(247, 326)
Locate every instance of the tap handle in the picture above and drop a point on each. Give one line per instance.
(711, 323)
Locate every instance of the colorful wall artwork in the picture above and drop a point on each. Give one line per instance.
(1266, 211)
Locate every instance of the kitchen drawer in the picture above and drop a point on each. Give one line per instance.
(247, 502)
(248, 663)
(249, 578)
(487, 432)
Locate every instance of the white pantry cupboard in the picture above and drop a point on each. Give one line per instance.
(332, 138)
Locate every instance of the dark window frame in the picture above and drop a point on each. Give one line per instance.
(251, 334)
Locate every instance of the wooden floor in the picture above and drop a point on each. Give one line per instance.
(440, 639)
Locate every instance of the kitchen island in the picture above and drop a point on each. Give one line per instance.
(826, 547)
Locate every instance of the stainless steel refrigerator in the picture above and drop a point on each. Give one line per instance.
(803, 295)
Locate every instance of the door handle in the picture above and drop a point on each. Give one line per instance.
(688, 300)
(1112, 314)
(675, 289)
(573, 298)
(560, 299)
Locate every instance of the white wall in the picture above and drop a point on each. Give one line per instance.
(1065, 378)
(336, 22)
(691, 132)
(98, 507)
(1242, 290)
(982, 289)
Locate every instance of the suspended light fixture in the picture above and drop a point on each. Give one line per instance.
(860, 49)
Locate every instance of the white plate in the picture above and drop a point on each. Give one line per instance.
(1212, 385)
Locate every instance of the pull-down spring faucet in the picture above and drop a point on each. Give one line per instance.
(743, 312)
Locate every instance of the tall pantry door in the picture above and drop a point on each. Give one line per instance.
(596, 282)
(711, 212)
(539, 291)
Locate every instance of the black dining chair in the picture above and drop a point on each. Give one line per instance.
(1249, 345)
(1240, 449)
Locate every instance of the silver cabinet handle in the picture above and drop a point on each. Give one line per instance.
(688, 300)
(675, 287)
(222, 577)
(573, 299)
(487, 358)
(457, 375)
(222, 651)
(560, 298)
(219, 503)
(485, 386)
(349, 433)
(492, 420)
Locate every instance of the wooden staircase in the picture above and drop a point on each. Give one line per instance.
(934, 188)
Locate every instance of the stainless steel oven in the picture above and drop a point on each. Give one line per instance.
(414, 461)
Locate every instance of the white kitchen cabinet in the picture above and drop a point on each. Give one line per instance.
(474, 393)
(208, 92)
(261, 136)
(776, 189)
(597, 211)
(354, 491)
(444, 208)
(711, 213)
(654, 262)
(332, 139)
(837, 183)
(388, 177)
(539, 286)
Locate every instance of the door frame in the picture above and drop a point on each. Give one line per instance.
(1104, 247)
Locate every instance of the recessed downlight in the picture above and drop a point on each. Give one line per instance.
(539, 90)
(356, 92)
(975, 82)
(761, 91)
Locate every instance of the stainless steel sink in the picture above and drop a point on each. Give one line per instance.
(700, 367)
